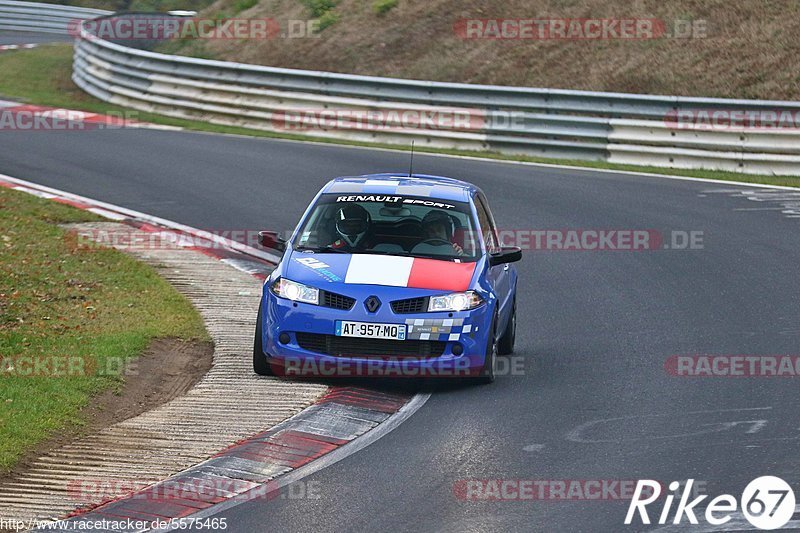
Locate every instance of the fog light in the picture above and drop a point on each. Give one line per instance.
(284, 338)
(458, 349)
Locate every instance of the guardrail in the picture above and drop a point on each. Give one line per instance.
(621, 128)
(48, 18)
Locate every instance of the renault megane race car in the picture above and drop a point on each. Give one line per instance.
(389, 276)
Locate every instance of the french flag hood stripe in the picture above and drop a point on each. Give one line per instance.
(414, 272)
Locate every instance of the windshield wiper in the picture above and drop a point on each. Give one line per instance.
(321, 250)
(328, 249)
(382, 252)
(409, 254)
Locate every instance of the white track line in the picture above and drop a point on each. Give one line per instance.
(103, 209)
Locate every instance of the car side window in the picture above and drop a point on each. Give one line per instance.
(488, 229)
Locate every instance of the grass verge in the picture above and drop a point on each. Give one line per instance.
(69, 316)
(43, 76)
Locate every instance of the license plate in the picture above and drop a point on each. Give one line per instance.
(345, 328)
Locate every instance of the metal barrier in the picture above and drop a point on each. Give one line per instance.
(667, 131)
(47, 18)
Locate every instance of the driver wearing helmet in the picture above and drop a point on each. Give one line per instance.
(352, 228)
(438, 226)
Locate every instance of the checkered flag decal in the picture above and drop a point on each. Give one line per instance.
(436, 329)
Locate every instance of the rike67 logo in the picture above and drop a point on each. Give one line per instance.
(767, 502)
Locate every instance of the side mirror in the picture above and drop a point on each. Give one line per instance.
(507, 254)
(271, 239)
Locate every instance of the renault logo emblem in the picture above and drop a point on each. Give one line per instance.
(372, 304)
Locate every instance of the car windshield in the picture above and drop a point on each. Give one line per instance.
(390, 225)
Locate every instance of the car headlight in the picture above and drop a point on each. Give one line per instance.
(297, 292)
(456, 301)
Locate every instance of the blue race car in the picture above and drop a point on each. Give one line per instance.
(389, 276)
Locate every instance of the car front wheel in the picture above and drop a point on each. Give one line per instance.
(260, 364)
(505, 346)
(487, 373)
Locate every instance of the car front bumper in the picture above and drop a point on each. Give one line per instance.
(310, 348)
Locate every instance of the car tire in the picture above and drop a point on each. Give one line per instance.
(505, 345)
(260, 364)
(487, 373)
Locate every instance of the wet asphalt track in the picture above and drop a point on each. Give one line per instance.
(24, 37)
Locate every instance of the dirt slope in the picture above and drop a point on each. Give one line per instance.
(745, 49)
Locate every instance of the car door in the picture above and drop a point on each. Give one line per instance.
(499, 275)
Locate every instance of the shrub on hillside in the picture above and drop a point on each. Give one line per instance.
(382, 7)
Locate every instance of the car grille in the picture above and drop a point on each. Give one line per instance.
(357, 347)
(337, 301)
(411, 305)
